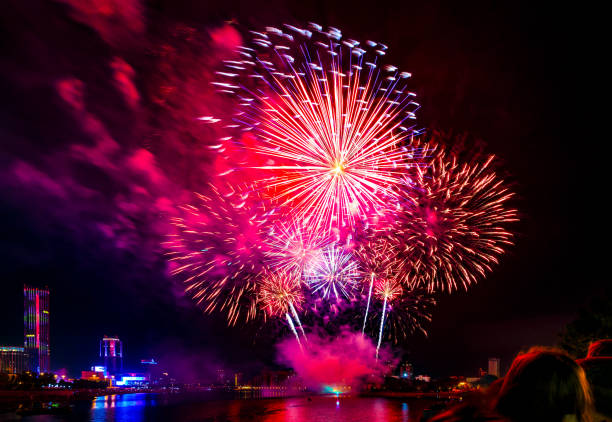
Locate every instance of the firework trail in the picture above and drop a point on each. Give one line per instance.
(365, 317)
(451, 223)
(297, 319)
(334, 272)
(382, 324)
(332, 124)
(388, 290)
(216, 249)
(376, 258)
(405, 315)
(280, 293)
(295, 333)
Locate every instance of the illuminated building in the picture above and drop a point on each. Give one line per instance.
(98, 368)
(36, 328)
(237, 379)
(13, 360)
(132, 380)
(272, 379)
(406, 371)
(111, 350)
(494, 366)
(221, 376)
(92, 375)
(150, 368)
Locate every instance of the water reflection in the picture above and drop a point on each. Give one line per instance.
(321, 409)
(121, 407)
(215, 407)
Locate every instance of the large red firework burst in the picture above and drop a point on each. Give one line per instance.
(451, 224)
(331, 124)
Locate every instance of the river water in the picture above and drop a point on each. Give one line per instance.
(202, 408)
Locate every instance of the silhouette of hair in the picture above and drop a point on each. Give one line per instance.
(544, 385)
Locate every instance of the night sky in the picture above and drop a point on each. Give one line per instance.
(98, 144)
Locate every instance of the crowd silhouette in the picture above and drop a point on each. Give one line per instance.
(545, 384)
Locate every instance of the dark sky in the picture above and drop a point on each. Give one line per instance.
(97, 142)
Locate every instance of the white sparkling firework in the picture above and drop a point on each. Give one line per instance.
(290, 247)
(335, 273)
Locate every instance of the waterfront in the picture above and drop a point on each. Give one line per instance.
(210, 408)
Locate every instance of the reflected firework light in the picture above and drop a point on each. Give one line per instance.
(332, 124)
(334, 273)
(451, 222)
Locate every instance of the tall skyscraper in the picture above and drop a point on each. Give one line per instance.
(36, 328)
(111, 351)
(494, 366)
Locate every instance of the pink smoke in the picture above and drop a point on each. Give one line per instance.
(333, 362)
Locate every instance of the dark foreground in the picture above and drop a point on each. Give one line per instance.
(203, 408)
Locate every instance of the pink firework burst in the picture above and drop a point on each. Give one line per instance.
(292, 247)
(216, 250)
(452, 222)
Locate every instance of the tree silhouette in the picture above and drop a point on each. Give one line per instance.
(594, 322)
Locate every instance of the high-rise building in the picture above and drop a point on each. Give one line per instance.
(36, 328)
(221, 376)
(111, 351)
(12, 359)
(237, 379)
(405, 370)
(494, 366)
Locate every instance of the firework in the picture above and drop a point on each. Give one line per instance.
(334, 272)
(216, 250)
(406, 314)
(291, 247)
(280, 292)
(376, 259)
(451, 223)
(344, 202)
(331, 123)
(387, 289)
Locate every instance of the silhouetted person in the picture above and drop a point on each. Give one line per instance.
(544, 385)
(598, 368)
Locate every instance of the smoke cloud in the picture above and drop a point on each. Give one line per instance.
(328, 362)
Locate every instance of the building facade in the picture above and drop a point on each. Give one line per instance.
(36, 328)
(494, 367)
(111, 352)
(13, 360)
